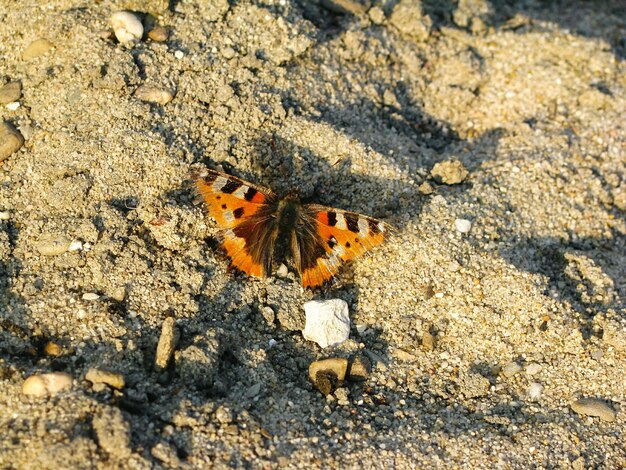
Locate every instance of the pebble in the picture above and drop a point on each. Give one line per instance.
(159, 34)
(167, 343)
(179, 54)
(360, 368)
(228, 52)
(127, 27)
(90, 296)
(10, 92)
(224, 415)
(533, 368)
(511, 369)
(53, 246)
(37, 48)
(76, 245)
(51, 383)
(408, 19)
(327, 374)
(327, 322)
(10, 140)
(282, 271)
(153, 94)
(52, 349)
(426, 188)
(534, 391)
(99, 376)
(449, 172)
(377, 15)
(5, 215)
(463, 225)
(594, 407)
(166, 454)
(403, 355)
(428, 341)
(13, 106)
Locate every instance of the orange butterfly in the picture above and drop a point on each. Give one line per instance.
(254, 221)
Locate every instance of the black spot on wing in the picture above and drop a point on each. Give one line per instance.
(250, 193)
(348, 245)
(332, 242)
(373, 225)
(352, 221)
(231, 186)
(238, 212)
(332, 218)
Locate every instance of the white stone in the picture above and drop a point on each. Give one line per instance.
(534, 391)
(126, 26)
(533, 368)
(511, 369)
(75, 246)
(5, 215)
(46, 384)
(463, 225)
(327, 322)
(12, 106)
(179, 54)
(90, 296)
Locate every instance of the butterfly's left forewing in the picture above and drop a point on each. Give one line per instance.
(326, 238)
(245, 213)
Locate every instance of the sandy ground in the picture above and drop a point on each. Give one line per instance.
(480, 341)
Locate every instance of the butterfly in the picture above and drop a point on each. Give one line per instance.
(256, 224)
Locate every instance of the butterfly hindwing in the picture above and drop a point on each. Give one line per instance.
(244, 212)
(326, 238)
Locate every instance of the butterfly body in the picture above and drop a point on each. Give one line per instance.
(254, 221)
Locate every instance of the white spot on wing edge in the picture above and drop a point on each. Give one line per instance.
(241, 191)
(341, 221)
(364, 227)
(219, 183)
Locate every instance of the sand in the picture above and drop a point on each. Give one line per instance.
(481, 341)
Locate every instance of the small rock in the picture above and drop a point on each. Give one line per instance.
(41, 385)
(425, 188)
(360, 368)
(327, 374)
(534, 391)
(282, 270)
(377, 15)
(403, 355)
(166, 454)
(127, 27)
(5, 215)
(533, 368)
(76, 245)
(594, 407)
(90, 296)
(361, 329)
(224, 415)
(449, 172)
(179, 54)
(10, 92)
(342, 395)
(119, 294)
(159, 34)
(167, 343)
(408, 19)
(12, 106)
(53, 245)
(153, 94)
(99, 376)
(228, 52)
(511, 369)
(269, 314)
(10, 140)
(463, 225)
(428, 341)
(52, 349)
(37, 48)
(327, 322)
